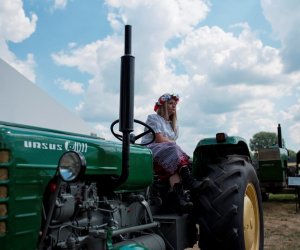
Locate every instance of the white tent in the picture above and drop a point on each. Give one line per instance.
(22, 102)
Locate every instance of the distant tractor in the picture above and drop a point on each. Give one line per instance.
(297, 162)
(273, 169)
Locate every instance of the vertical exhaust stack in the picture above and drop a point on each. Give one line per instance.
(126, 106)
(127, 85)
(279, 136)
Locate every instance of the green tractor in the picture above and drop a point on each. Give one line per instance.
(61, 190)
(297, 162)
(273, 169)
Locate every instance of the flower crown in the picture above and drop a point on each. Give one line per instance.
(165, 98)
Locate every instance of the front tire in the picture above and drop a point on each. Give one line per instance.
(229, 207)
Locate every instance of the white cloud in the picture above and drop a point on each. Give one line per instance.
(103, 131)
(60, 4)
(93, 57)
(228, 59)
(295, 131)
(161, 19)
(72, 87)
(101, 59)
(284, 18)
(15, 26)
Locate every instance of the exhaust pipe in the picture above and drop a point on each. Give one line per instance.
(126, 105)
(279, 136)
(127, 86)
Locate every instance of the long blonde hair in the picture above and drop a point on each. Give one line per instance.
(163, 112)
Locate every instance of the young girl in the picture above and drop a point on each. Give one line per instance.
(170, 161)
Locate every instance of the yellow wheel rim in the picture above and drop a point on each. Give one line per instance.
(251, 219)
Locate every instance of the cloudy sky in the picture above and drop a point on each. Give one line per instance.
(235, 64)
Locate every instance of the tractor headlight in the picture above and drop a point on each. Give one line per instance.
(71, 166)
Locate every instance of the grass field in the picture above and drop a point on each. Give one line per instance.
(282, 223)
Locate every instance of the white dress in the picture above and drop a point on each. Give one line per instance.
(168, 157)
(160, 125)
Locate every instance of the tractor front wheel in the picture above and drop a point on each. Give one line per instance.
(229, 208)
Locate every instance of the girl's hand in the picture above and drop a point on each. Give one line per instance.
(160, 138)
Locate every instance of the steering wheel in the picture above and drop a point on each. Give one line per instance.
(134, 138)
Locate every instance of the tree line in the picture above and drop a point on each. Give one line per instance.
(264, 139)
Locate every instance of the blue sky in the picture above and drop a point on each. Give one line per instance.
(235, 64)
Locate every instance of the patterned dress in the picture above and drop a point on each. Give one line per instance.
(168, 157)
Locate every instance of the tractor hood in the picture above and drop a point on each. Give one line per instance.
(34, 153)
(221, 138)
(211, 149)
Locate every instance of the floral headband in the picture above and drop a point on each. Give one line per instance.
(165, 98)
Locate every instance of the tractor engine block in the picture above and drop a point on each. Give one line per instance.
(81, 217)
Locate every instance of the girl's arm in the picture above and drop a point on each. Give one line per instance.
(160, 138)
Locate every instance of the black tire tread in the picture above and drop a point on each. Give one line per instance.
(219, 204)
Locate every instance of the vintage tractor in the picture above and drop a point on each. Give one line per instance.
(297, 162)
(61, 190)
(273, 169)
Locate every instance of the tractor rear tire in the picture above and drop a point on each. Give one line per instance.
(229, 207)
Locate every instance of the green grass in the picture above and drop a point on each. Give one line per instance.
(281, 197)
